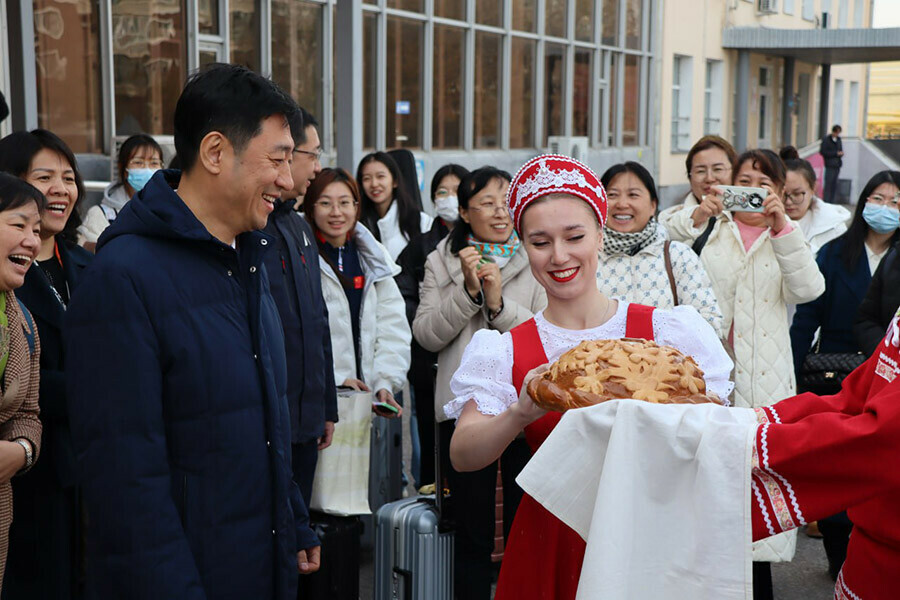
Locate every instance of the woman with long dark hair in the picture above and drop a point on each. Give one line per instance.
(139, 157)
(385, 207)
(46, 535)
(847, 263)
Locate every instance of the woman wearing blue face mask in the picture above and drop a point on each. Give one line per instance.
(139, 158)
(848, 264)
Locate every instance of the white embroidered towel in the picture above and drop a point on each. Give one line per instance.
(661, 494)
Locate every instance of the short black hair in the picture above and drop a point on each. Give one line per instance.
(15, 192)
(450, 169)
(469, 187)
(764, 160)
(230, 99)
(130, 147)
(19, 148)
(298, 124)
(836, 128)
(636, 169)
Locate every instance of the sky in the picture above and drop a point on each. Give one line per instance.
(886, 13)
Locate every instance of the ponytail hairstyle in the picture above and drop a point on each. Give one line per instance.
(407, 213)
(794, 164)
(325, 178)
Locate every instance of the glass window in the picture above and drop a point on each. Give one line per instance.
(610, 22)
(450, 9)
(488, 73)
(402, 82)
(521, 97)
(208, 57)
(581, 100)
(555, 17)
(449, 65)
(632, 101)
(411, 5)
(524, 17)
(613, 99)
(297, 51)
(682, 68)
(370, 88)
(554, 84)
(67, 57)
(584, 20)
(489, 12)
(208, 16)
(244, 33)
(633, 24)
(149, 62)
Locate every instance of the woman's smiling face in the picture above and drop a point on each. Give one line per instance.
(562, 238)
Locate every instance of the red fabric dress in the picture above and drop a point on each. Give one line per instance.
(543, 555)
(818, 455)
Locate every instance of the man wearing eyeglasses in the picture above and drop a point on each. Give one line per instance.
(295, 284)
(832, 150)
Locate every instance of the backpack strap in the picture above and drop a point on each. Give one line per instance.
(668, 256)
(698, 244)
(27, 327)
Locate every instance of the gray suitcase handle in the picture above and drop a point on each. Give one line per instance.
(406, 576)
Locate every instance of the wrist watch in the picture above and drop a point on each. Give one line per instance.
(29, 452)
(494, 314)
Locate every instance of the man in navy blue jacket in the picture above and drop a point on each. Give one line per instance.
(296, 286)
(177, 378)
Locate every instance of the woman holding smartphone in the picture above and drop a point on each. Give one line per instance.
(365, 309)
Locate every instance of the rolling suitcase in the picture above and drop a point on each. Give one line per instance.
(414, 546)
(385, 471)
(338, 578)
(413, 557)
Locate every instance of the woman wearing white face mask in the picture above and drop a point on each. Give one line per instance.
(412, 260)
(139, 158)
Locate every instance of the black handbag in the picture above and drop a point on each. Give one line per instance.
(823, 374)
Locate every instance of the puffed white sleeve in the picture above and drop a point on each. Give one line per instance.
(484, 375)
(683, 328)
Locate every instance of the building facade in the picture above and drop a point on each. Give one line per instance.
(469, 81)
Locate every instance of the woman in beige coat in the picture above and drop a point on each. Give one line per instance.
(477, 278)
(20, 429)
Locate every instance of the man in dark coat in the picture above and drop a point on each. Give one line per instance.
(176, 382)
(832, 150)
(296, 286)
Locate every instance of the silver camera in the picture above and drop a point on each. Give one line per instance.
(743, 199)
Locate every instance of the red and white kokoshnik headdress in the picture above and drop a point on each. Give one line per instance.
(554, 174)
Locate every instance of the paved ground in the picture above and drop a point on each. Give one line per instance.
(805, 578)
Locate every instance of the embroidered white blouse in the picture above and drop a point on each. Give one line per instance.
(485, 372)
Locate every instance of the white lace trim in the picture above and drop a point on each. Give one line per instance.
(485, 371)
(547, 180)
(784, 482)
(775, 414)
(762, 507)
(842, 591)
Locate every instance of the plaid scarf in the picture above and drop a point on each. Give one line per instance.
(616, 242)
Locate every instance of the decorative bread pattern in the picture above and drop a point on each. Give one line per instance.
(600, 370)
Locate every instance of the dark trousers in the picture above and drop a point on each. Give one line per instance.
(762, 581)
(421, 378)
(835, 537)
(303, 461)
(474, 500)
(830, 184)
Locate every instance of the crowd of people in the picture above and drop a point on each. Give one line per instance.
(171, 356)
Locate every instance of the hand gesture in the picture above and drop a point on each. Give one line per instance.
(12, 459)
(309, 560)
(492, 284)
(710, 206)
(385, 396)
(773, 211)
(356, 384)
(326, 438)
(525, 408)
(468, 259)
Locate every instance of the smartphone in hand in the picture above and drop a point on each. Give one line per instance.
(743, 199)
(385, 407)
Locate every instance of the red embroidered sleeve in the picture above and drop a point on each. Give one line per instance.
(816, 456)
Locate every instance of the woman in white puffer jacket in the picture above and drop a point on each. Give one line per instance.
(370, 335)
